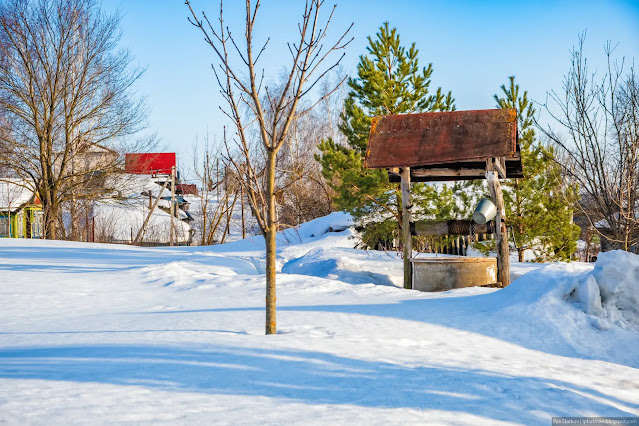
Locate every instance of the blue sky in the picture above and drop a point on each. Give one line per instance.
(473, 45)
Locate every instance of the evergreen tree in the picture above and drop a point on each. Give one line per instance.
(389, 81)
(538, 206)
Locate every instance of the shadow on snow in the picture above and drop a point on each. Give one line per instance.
(310, 377)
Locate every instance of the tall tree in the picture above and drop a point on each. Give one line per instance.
(595, 125)
(64, 87)
(539, 206)
(271, 111)
(389, 81)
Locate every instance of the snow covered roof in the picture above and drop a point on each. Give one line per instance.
(132, 185)
(14, 193)
(94, 147)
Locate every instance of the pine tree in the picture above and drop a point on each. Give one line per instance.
(538, 206)
(389, 81)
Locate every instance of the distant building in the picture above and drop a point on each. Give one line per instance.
(21, 214)
(607, 240)
(93, 157)
(186, 189)
(89, 158)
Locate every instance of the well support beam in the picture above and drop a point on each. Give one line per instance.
(407, 239)
(501, 236)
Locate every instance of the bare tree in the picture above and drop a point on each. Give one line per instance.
(302, 190)
(307, 68)
(597, 132)
(217, 196)
(65, 88)
(302, 193)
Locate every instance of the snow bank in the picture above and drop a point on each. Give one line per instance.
(610, 291)
(349, 265)
(334, 222)
(569, 309)
(294, 242)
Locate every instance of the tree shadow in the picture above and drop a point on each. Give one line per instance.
(84, 259)
(460, 313)
(312, 378)
(65, 269)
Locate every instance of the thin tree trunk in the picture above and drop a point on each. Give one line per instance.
(229, 213)
(51, 220)
(520, 251)
(270, 235)
(243, 219)
(75, 233)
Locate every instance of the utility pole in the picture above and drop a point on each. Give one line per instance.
(172, 209)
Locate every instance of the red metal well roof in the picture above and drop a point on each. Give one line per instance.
(431, 138)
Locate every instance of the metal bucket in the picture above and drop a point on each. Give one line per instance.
(485, 211)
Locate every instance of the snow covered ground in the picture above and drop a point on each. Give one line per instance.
(106, 334)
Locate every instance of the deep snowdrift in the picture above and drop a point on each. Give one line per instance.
(551, 309)
(569, 309)
(348, 265)
(611, 291)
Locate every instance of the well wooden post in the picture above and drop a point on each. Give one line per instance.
(501, 235)
(407, 239)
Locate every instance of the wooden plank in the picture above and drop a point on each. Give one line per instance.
(407, 238)
(430, 227)
(448, 172)
(501, 236)
(499, 165)
(448, 227)
(431, 138)
(460, 170)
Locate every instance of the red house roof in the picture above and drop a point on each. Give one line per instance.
(149, 163)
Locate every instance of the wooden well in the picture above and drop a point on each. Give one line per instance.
(448, 146)
(447, 273)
